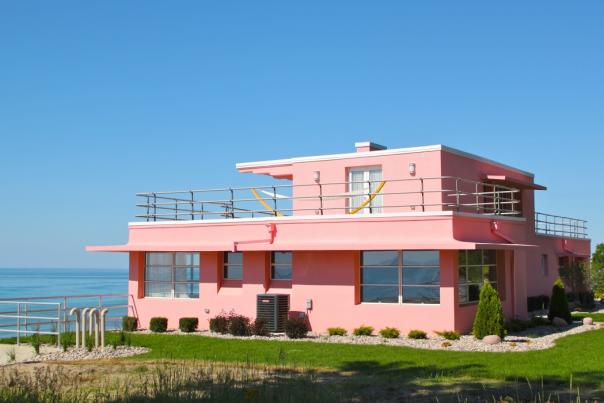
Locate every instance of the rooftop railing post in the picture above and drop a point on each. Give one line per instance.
(421, 183)
(320, 198)
(154, 207)
(232, 212)
(201, 206)
(477, 198)
(192, 206)
(369, 195)
(275, 201)
(147, 207)
(457, 194)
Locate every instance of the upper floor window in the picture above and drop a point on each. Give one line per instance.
(363, 184)
(233, 266)
(476, 267)
(281, 265)
(172, 275)
(400, 277)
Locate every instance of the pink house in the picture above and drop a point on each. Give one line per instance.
(384, 237)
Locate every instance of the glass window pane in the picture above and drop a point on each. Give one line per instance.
(462, 257)
(282, 258)
(421, 276)
(379, 275)
(159, 259)
(158, 273)
(421, 258)
(187, 290)
(379, 294)
(421, 295)
(462, 275)
(163, 290)
(187, 259)
(233, 272)
(473, 292)
(490, 257)
(233, 258)
(380, 258)
(463, 294)
(475, 257)
(282, 273)
(475, 274)
(186, 274)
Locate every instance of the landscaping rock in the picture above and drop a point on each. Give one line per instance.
(559, 322)
(588, 321)
(491, 339)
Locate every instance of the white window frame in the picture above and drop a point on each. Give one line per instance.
(376, 205)
(172, 268)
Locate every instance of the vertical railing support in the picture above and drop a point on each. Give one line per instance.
(76, 312)
(103, 325)
(18, 323)
(457, 194)
(192, 205)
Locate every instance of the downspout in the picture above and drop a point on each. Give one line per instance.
(272, 231)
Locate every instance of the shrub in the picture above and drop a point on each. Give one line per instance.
(239, 325)
(337, 331)
(489, 316)
(363, 331)
(417, 334)
(158, 324)
(449, 334)
(296, 328)
(35, 341)
(220, 324)
(188, 325)
(65, 341)
(122, 338)
(260, 327)
(129, 323)
(390, 333)
(558, 306)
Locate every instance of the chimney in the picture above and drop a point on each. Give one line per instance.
(365, 146)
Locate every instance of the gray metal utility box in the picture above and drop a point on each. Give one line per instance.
(273, 308)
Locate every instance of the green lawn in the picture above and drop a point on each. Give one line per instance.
(597, 317)
(579, 356)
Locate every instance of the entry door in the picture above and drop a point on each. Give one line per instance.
(362, 183)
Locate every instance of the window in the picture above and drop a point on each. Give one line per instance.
(364, 182)
(233, 266)
(172, 275)
(476, 267)
(400, 277)
(281, 265)
(544, 265)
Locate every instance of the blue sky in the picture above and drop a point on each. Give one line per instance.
(101, 100)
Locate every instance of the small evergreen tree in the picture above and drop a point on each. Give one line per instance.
(489, 316)
(597, 270)
(558, 306)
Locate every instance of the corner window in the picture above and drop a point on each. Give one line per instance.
(400, 277)
(281, 265)
(476, 267)
(172, 275)
(233, 266)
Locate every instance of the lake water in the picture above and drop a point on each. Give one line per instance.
(19, 283)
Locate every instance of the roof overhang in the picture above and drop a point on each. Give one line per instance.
(513, 182)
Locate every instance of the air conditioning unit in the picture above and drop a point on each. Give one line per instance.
(273, 308)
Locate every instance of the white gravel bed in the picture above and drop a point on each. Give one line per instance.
(538, 338)
(76, 354)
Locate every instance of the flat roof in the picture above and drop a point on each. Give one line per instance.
(377, 153)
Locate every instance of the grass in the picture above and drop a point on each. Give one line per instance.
(576, 357)
(596, 316)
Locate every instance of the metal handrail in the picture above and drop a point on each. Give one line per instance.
(466, 195)
(561, 226)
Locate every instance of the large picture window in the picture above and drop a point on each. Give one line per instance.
(233, 266)
(281, 265)
(400, 277)
(476, 267)
(172, 275)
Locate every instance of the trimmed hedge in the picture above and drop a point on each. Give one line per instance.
(188, 325)
(390, 333)
(129, 323)
(363, 331)
(296, 328)
(558, 307)
(239, 325)
(449, 334)
(489, 315)
(158, 324)
(417, 334)
(337, 331)
(220, 324)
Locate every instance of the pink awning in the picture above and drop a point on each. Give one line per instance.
(513, 182)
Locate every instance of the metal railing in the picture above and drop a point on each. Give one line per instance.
(548, 224)
(50, 315)
(392, 195)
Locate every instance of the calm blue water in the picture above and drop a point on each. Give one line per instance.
(20, 283)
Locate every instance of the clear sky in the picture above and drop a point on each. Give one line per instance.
(100, 100)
